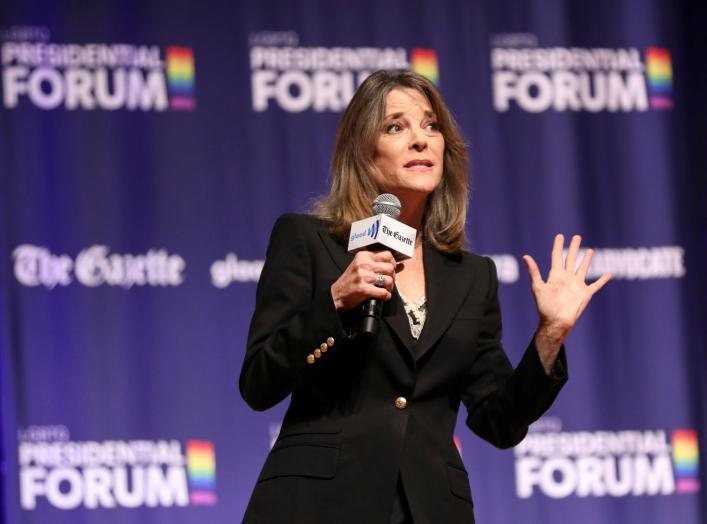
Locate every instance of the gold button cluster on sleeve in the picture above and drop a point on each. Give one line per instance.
(318, 352)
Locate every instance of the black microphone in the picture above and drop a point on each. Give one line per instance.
(372, 309)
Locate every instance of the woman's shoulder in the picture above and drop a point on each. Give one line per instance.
(474, 258)
(299, 228)
(467, 257)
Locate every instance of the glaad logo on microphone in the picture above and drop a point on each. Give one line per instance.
(373, 230)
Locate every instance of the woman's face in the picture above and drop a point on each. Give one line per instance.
(410, 150)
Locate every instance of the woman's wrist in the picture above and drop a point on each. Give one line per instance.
(338, 304)
(548, 341)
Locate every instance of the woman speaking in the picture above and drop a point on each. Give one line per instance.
(368, 435)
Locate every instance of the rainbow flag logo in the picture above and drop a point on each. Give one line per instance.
(201, 469)
(424, 62)
(180, 78)
(686, 458)
(660, 77)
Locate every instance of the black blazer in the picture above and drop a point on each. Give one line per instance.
(364, 413)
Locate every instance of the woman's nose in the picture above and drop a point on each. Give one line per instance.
(418, 140)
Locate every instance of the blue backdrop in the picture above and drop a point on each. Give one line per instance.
(147, 149)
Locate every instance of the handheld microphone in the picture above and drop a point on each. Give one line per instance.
(379, 232)
(386, 204)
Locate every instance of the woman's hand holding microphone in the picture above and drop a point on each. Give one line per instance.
(371, 274)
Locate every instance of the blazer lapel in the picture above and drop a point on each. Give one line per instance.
(395, 316)
(447, 284)
(341, 257)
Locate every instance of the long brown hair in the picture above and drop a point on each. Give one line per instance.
(353, 185)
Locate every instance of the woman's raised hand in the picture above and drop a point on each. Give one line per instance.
(369, 275)
(562, 298)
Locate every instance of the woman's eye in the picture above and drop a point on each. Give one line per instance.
(393, 128)
(433, 126)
